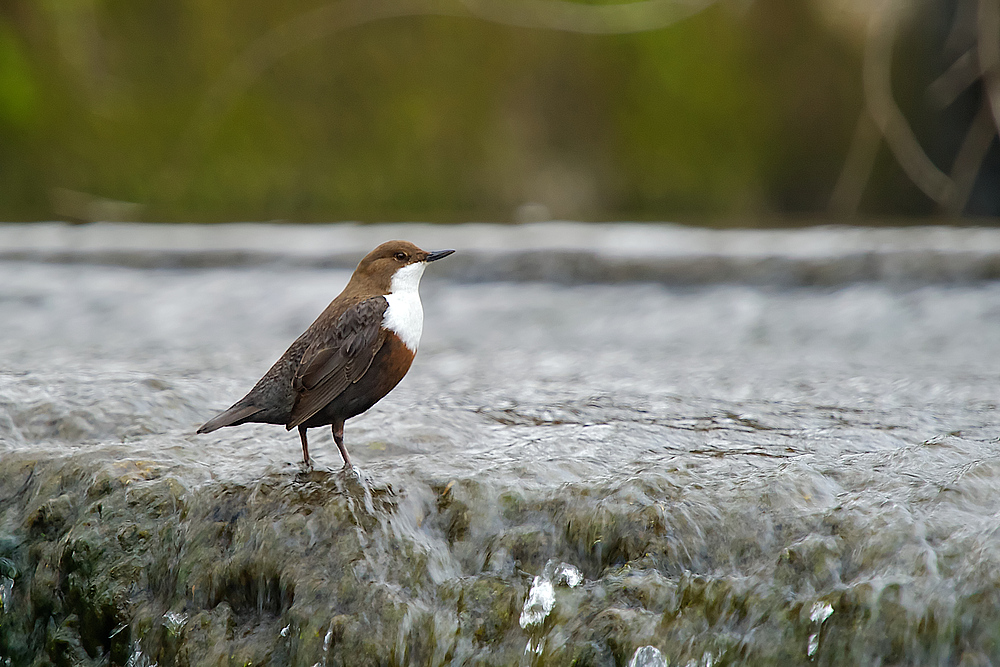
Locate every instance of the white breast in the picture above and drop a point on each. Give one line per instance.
(405, 315)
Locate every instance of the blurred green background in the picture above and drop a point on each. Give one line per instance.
(749, 112)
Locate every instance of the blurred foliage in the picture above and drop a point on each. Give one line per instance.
(744, 109)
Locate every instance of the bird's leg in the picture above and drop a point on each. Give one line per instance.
(305, 446)
(338, 437)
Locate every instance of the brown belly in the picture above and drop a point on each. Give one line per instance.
(388, 367)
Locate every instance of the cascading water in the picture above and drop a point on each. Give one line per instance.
(606, 474)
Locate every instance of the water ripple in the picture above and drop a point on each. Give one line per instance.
(606, 474)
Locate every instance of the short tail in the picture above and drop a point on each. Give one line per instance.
(234, 415)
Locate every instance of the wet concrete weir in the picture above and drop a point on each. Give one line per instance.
(638, 445)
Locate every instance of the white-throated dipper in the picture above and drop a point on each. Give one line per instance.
(356, 351)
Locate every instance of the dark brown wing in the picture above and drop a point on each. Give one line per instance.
(341, 357)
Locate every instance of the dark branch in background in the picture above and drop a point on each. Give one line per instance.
(891, 122)
(857, 168)
(970, 158)
(989, 53)
(963, 73)
(882, 118)
(329, 19)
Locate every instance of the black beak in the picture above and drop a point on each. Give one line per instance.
(438, 254)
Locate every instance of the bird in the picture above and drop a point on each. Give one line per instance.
(356, 351)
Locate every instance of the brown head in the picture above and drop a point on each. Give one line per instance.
(376, 271)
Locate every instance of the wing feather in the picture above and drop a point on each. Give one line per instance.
(332, 363)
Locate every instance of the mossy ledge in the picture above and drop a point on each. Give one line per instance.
(122, 563)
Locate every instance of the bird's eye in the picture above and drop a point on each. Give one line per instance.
(401, 256)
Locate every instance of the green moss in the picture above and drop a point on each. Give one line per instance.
(293, 570)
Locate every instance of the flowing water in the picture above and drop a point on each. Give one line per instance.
(617, 474)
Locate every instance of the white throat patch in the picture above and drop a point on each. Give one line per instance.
(405, 315)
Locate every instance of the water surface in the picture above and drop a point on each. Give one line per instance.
(737, 475)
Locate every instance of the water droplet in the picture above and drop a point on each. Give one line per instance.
(648, 656)
(541, 599)
(174, 621)
(820, 612)
(813, 644)
(138, 658)
(6, 588)
(567, 574)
